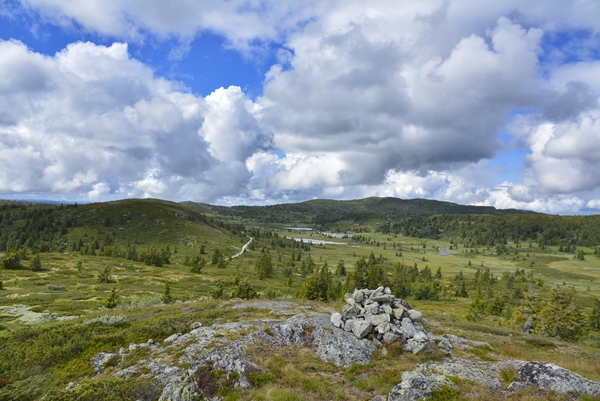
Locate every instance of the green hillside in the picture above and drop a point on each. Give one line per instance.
(327, 212)
(80, 279)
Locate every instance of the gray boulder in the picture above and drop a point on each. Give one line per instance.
(291, 331)
(342, 348)
(547, 376)
(361, 328)
(408, 328)
(415, 315)
(336, 320)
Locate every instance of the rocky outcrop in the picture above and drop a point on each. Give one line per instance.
(207, 360)
(547, 376)
(228, 364)
(99, 361)
(424, 379)
(420, 382)
(330, 343)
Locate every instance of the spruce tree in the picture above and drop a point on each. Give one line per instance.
(12, 261)
(166, 296)
(526, 314)
(560, 317)
(594, 318)
(341, 269)
(36, 263)
(79, 266)
(216, 258)
(112, 300)
(462, 291)
(197, 264)
(477, 308)
(104, 276)
(218, 292)
(264, 266)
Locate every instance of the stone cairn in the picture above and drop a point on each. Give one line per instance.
(379, 316)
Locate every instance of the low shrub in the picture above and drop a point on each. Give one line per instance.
(112, 389)
(107, 320)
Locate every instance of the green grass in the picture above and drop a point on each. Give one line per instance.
(49, 355)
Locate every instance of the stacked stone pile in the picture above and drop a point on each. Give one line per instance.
(379, 315)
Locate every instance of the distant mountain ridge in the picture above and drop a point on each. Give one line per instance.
(326, 211)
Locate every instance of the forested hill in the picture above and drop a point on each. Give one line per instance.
(110, 228)
(323, 212)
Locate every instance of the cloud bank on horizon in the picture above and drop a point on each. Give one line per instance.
(258, 102)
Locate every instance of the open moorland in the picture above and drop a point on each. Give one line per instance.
(77, 280)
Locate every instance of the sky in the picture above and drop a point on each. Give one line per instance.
(492, 103)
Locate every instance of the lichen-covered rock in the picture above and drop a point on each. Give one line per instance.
(547, 376)
(171, 338)
(350, 311)
(230, 360)
(183, 388)
(421, 382)
(341, 348)
(99, 361)
(336, 320)
(415, 315)
(462, 342)
(361, 328)
(390, 337)
(291, 331)
(408, 328)
(162, 371)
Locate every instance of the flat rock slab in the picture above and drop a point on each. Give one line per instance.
(420, 383)
(547, 376)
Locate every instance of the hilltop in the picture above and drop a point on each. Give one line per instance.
(326, 212)
(80, 280)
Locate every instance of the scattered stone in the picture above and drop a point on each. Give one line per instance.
(390, 337)
(336, 320)
(361, 328)
(196, 325)
(461, 342)
(384, 328)
(171, 338)
(408, 328)
(415, 315)
(399, 312)
(386, 308)
(349, 299)
(445, 346)
(133, 346)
